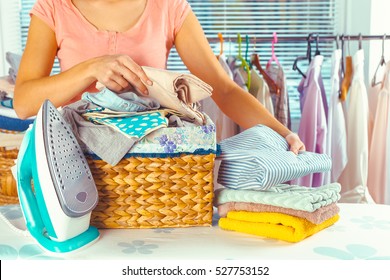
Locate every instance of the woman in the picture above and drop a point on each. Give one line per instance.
(106, 41)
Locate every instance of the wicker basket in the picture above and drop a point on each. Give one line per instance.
(147, 192)
(8, 191)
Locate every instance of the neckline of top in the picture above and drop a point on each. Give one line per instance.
(95, 29)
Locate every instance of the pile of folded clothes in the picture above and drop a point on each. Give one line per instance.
(11, 127)
(255, 166)
(109, 124)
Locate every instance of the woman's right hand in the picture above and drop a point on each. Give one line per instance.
(119, 73)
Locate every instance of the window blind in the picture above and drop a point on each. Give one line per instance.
(257, 19)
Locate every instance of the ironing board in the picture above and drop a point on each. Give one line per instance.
(362, 233)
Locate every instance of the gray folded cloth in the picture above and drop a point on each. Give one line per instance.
(287, 196)
(178, 91)
(14, 61)
(108, 144)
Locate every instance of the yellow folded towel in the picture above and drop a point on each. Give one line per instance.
(273, 225)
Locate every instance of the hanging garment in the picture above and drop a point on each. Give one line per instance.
(239, 78)
(348, 75)
(239, 75)
(387, 183)
(354, 177)
(258, 158)
(280, 101)
(313, 127)
(336, 145)
(378, 168)
(373, 94)
(260, 90)
(225, 127)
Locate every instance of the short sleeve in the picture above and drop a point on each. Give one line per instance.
(178, 12)
(44, 9)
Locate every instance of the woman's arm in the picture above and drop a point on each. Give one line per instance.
(34, 83)
(235, 102)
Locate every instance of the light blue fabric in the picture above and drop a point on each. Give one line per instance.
(287, 196)
(258, 159)
(123, 102)
(135, 126)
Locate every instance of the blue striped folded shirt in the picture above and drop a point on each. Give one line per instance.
(258, 158)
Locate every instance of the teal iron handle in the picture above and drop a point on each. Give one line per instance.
(26, 195)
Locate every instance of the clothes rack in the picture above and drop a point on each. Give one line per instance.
(314, 37)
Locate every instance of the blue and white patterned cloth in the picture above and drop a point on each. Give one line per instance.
(135, 126)
(258, 158)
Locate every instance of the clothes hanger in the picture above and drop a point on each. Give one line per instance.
(337, 39)
(221, 44)
(273, 55)
(382, 62)
(255, 61)
(307, 57)
(342, 68)
(246, 50)
(317, 43)
(360, 41)
(244, 64)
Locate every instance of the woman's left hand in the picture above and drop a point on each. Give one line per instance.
(295, 143)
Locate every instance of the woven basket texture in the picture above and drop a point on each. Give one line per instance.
(8, 191)
(140, 192)
(154, 192)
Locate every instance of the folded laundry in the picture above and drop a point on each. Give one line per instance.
(104, 141)
(100, 112)
(178, 91)
(317, 217)
(14, 124)
(135, 126)
(7, 87)
(125, 102)
(14, 61)
(273, 225)
(6, 102)
(258, 158)
(288, 196)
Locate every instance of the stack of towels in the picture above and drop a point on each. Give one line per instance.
(255, 165)
(11, 127)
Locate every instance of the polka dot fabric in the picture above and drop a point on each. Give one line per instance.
(135, 126)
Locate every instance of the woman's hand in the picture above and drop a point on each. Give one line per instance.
(295, 143)
(120, 72)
